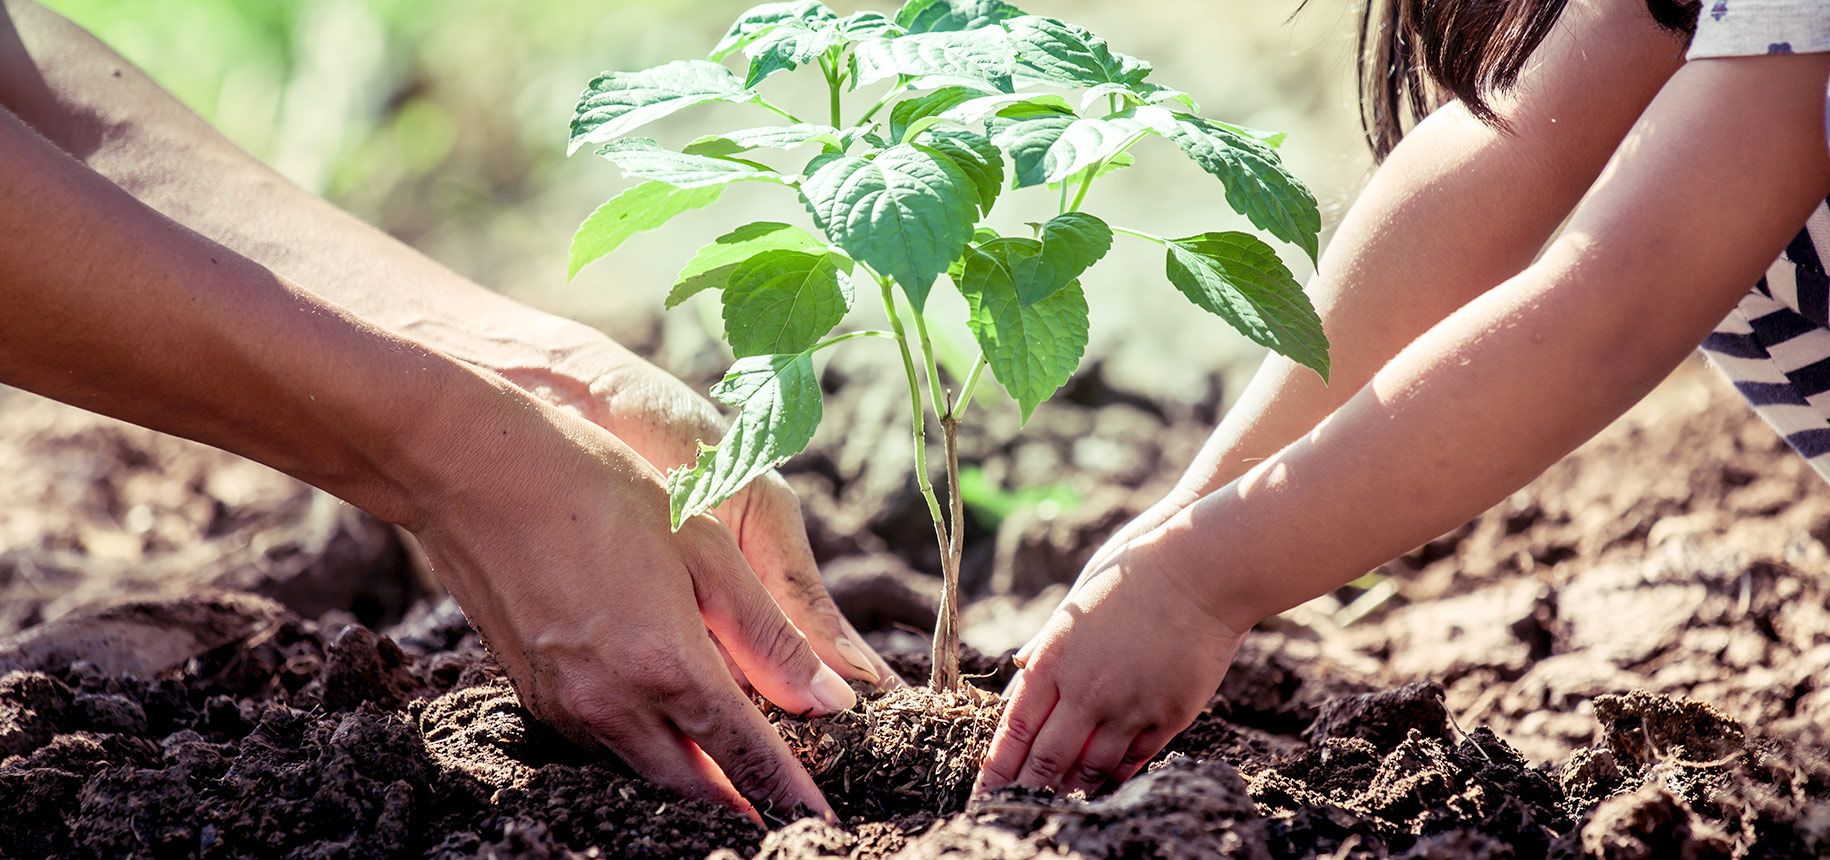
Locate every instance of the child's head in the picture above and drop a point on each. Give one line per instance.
(1416, 54)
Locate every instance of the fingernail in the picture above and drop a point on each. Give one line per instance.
(831, 690)
(852, 654)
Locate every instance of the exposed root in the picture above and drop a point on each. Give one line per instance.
(911, 750)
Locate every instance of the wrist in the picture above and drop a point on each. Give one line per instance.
(1196, 565)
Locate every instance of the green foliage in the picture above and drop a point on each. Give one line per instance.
(711, 268)
(1032, 349)
(1240, 278)
(643, 207)
(898, 196)
(785, 301)
(617, 103)
(1048, 144)
(778, 406)
(906, 211)
(644, 159)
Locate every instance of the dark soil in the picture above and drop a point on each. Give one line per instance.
(1628, 659)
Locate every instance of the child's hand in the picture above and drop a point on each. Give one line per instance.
(1124, 664)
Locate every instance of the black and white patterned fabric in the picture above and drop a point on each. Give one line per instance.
(1775, 345)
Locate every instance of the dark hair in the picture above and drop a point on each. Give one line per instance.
(1417, 54)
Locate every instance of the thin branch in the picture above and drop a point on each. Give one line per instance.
(848, 336)
(967, 388)
(769, 105)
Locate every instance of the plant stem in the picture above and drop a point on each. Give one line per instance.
(946, 628)
(970, 385)
(941, 410)
(765, 103)
(945, 674)
(848, 336)
(1085, 186)
(832, 89)
(916, 416)
(1141, 235)
(880, 103)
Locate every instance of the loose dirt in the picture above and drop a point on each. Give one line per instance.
(1628, 659)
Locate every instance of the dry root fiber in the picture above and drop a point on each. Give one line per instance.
(911, 750)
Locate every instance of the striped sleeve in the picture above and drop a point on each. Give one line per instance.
(1775, 345)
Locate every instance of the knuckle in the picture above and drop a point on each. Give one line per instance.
(1018, 728)
(666, 679)
(760, 777)
(582, 704)
(1091, 774)
(1000, 770)
(783, 646)
(1045, 766)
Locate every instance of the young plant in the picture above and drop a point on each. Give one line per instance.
(977, 97)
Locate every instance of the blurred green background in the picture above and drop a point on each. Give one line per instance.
(445, 123)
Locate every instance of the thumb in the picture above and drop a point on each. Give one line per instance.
(762, 642)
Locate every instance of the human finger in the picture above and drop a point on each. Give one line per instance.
(773, 538)
(1101, 759)
(730, 665)
(1021, 658)
(749, 753)
(662, 754)
(1057, 746)
(1143, 748)
(746, 620)
(1031, 701)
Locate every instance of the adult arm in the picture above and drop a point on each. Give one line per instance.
(113, 307)
(1469, 412)
(103, 111)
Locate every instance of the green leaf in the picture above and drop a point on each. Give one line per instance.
(643, 207)
(1257, 185)
(1137, 94)
(761, 19)
(1273, 139)
(645, 159)
(711, 267)
(1115, 163)
(1031, 350)
(778, 408)
(1067, 246)
(1239, 277)
(981, 59)
(906, 213)
(770, 137)
(911, 117)
(787, 46)
(932, 16)
(785, 301)
(1047, 144)
(859, 26)
(1059, 54)
(981, 161)
(619, 102)
(972, 111)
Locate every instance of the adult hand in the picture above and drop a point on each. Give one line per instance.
(554, 537)
(1121, 667)
(663, 420)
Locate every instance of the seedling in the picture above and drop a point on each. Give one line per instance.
(978, 98)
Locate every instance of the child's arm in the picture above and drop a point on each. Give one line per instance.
(1457, 208)
(1702, 194)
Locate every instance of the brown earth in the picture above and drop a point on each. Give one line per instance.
(1630, 658)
